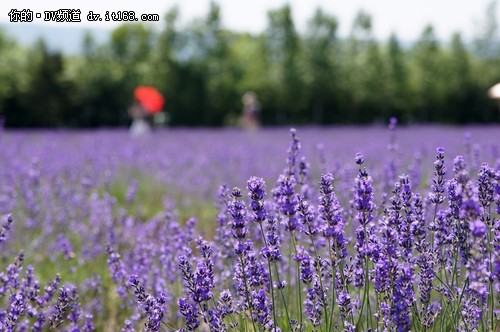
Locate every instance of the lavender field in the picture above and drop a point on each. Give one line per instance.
(314, 229)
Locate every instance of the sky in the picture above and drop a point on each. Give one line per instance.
(406, 18)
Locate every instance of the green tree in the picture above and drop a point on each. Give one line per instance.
(353, 74)
(486, 41)
(222, 70)
(373, 88)
(199, 70)
(164, 68)
(45, 101)
(321, 48)
(397, 80)
(13, 76)
(282, 51)
(102, 91)
(459, 88)
(428, 77)
(132, 43)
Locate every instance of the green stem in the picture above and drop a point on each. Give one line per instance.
(458, 311)
(445, 285)
(204, 316)
(247, 294)
(365, 293)
(215, 306)
(434, 220)
(490, 250)
(270, 277)
(168, 325)
(320, 275)
(330, 323)
(299, 288)
(282, 296)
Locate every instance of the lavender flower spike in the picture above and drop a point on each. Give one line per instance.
(5, 228)
(257, 188)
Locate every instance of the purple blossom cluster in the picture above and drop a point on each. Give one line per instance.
(385, 241)
(27, 305)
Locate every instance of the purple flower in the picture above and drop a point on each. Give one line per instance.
(236, 209)
(261, 307)
(430, 314)
(345, 305)
(314, 303)
(303, 176)
(190, 312)
(60, 307)
(88, 326)
(306, 217)
(471, 312)
(478, 228)
(427, 264)
(242, 271)
(117, 269)
(438, 186)
(288, 202)
(16, 311)
(403, 298)
(306, 272)
(418, 227)
(293, 152)
(485, 185)
(271, 251)
(225, 304)
(131, 191)
(215, 321)
(200, 283)
(363, 203)
(331, 213)
(257, 192)
(152, 306)
(383, 271)
(359, 159)
(496, 268)
(256, 270)
(128, 326)
(5, 228)
(460, 170)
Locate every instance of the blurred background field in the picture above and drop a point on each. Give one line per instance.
(321, 70)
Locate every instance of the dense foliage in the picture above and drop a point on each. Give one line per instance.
(204, 69)
(353, 229)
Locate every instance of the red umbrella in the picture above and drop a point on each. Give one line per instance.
(150, 98)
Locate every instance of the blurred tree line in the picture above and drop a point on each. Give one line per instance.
(204, 69)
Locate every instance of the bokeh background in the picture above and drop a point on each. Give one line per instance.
(314, 63)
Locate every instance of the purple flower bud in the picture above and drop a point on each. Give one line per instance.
(478, 228)
(257, 188)
(359, 159)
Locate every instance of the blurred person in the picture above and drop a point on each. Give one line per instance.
(148, 103)
(249, 119)
(494, 93)
(140, 126)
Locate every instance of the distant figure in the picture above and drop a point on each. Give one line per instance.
(251, 108)
(494, 93)
(140, 126)
(148, 102)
